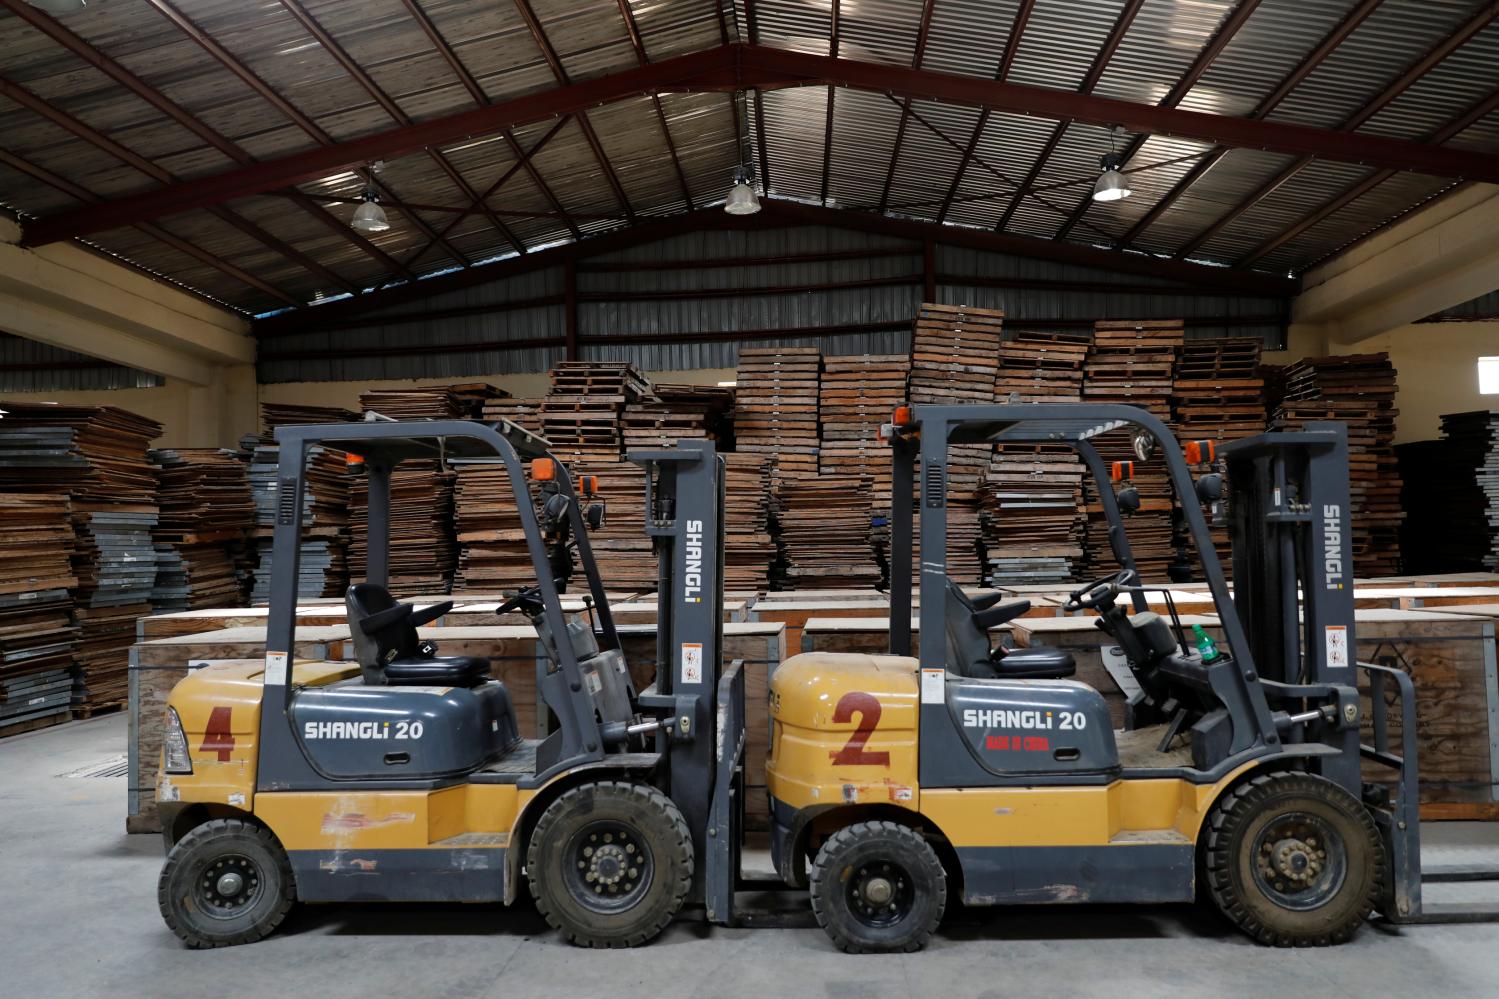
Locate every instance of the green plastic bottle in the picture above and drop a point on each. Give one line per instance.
(1205, 644)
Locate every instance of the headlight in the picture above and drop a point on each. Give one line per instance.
(174, 747)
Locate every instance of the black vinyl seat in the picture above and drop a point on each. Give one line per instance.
(389, 651)
(970, 654)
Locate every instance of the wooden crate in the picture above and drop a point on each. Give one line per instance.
(1450, 658)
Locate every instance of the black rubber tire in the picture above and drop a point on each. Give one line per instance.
(848, 851)
(1229, 859)
(195, 854)
(660, 827)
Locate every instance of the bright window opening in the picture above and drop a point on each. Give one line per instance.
(1488, 376)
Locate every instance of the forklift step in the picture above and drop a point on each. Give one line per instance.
(475, 839)
(1152, 836)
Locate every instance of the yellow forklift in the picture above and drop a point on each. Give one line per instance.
(895, 781)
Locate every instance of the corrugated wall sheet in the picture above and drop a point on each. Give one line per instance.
(29, 366)
(664, 288)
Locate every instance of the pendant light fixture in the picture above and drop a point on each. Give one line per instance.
(370, 217)
(742, 198)
(1112, 185)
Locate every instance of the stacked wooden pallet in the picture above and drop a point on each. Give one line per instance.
(1451, 497)
(37, 633)
(1041, 366)
(423, 545)
(492, 553)
(322, 562)
(1359, 390)
(775, 407)
(461, 401)
(202, 536)
(825, 533)
(955, 359)
(858, 394)
(580, 415)
(1219, 395)
(621, 548)
(749, 545)
(1031, 494)
(279, 414)
(1133, 363)
(98, 454)
(524, 413)
(1030, 514)
(673, 412)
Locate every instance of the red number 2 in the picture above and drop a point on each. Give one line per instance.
(853, 753)
(218, 737)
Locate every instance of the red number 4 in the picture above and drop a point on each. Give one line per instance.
(853, 753)
(217, 737)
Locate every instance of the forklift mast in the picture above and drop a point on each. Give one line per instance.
(684, 515)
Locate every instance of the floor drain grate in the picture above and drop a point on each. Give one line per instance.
(115, 766)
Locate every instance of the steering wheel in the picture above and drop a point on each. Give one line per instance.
(1097, 594)
(526, 595)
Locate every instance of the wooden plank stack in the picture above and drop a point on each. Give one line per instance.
(492, 553)
(1133, 363)
(621, 548)
(1359, 390)
(37, 632)
(673, 412)
(323, 569)
(202, 535)
(98, 455)
(462, 401)
(825, 533)
(580, 415)
(423, 545)
(1219, 395)
(749, 545)
(775, 407)
(280, 414)
(955, 359)
(858, 394)
(1031, 494)
(524, 413)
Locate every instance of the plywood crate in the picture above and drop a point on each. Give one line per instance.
(1450, 658)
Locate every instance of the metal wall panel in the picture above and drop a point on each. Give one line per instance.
(891, 305)
(17, 351)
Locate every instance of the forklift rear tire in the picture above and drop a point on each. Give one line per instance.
(878, 888)
(610, 863)
(226, 882)
(1294, 860)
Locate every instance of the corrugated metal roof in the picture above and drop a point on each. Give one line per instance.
(494, 45)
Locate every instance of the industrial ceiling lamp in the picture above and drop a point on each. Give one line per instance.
(742, 198)
(370, 217)
(1112, 185)
(58, 7)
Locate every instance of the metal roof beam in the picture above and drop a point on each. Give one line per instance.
(1095, 73)
(1455, 40)
(1006, 60)
(671, 147)
(533, 23)
(923, 31)
(1214, 48)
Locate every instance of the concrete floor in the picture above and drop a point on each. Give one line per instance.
(78, 917)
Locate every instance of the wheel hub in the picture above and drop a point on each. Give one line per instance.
(1299, 861)
(229, 884)
(880, 893)
(610, 867)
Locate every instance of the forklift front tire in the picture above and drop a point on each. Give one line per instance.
(226, 882)
(1294, 860)
(878, 888)
(610, 863)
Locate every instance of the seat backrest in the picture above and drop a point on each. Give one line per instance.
(968, 650)
(375, 649)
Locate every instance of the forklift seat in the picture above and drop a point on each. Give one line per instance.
(970, 654)
(389, 651)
